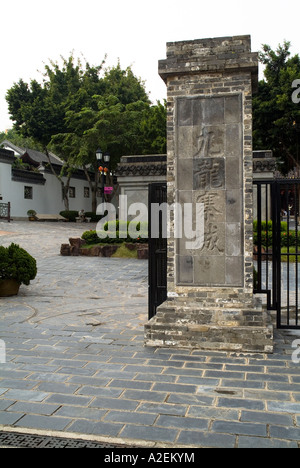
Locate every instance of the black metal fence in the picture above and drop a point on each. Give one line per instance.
(157, 250)
(276, 247)
(276, 235)
(5, 211)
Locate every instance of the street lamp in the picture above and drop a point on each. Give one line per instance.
(103, 170)
(99, 154)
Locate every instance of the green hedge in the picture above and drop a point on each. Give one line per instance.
(269, 226)
(17, 264)
(286, 238)
(115, 232)
(72, 215)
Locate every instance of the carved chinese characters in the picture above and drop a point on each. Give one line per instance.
(209, 171)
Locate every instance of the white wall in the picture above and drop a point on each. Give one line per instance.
(47, 199)
(136, 189)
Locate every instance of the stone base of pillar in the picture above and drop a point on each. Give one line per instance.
(233, 328)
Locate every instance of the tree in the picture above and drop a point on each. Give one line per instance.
(115, 120)
(276, 118)
(154, 130)
(125, 85)
(13, 136)
(75, 110)
(39, 109)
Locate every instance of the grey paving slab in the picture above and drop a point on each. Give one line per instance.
(240, 428)
(43, 422)
(262, 442)
(206, 439)
(76, 361)
(82, 426)
(149, 433)
(33, 408)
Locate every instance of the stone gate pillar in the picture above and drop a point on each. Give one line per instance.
(209, 165)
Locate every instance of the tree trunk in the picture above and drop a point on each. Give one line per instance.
(93, 187)
(64, 187)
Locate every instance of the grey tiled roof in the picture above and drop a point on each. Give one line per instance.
(35, 155)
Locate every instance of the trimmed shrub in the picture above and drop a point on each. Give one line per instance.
(94, 217)
(111, 236)
(70, 215)
(17, 264)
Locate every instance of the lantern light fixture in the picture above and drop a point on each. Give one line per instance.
(99, 154)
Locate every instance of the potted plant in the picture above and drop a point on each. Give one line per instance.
(16, 267)
(31, 215)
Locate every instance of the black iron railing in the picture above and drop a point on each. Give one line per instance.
(5, 211)
(157, 250)
(277, 247)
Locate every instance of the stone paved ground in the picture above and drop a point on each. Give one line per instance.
(76, 364)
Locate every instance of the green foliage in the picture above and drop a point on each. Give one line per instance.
(154, 130)
(94, 217)
(255, 279)
(115, 232)
(268, 226)
(13, 136)
(17, 264)
(70, 215)
(276, 119)
(124, 252)
(91, 237)
(31, 213)
(124, 84)
(39, 109)
(75, 110)
(287, 238)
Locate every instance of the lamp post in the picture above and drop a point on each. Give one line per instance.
(103, 169)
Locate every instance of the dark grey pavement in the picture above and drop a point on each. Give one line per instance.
(76, 364)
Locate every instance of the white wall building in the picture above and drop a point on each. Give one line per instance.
(38, 189)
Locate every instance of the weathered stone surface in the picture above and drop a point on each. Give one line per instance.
(209, 162)
(107, 250)
(76, 242)
(142, 251)
(65, 250)
(75, 249)
(85, 252)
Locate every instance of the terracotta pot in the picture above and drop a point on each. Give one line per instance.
(9, 287)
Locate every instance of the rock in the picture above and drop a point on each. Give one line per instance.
(85, 252)
(65, 250)
(76, 242)
(131, 246)
(108, 250)
(94, 251)
(143, 251)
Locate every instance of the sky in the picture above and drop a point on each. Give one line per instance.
(132, 31)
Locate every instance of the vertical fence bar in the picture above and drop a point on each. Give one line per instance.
(288, 255)
(150, 255)
(157, 270)
(296, 253)
(277, 250)
(259, 245)
(267, 242)
(279, 272)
